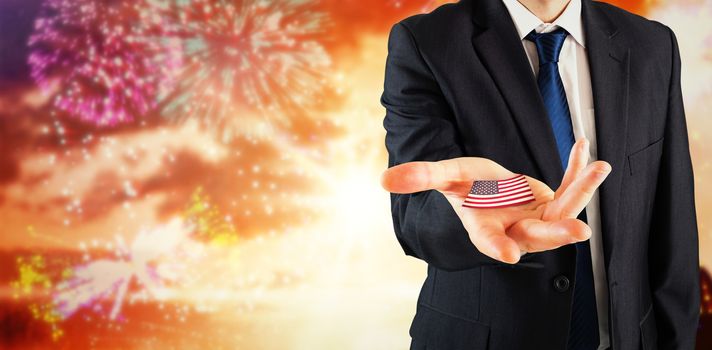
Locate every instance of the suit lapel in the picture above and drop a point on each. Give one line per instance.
(498, 46)
(609, 63)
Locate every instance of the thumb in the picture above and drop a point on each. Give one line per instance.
(415, 177)
(444, 175)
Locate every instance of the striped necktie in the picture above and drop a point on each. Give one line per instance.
(583, 333)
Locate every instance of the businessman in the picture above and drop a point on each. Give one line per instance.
(582, 98)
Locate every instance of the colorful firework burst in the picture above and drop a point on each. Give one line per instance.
(212, 226)
(101, 63)
(154, 260)
(35, 281)
(244, 58)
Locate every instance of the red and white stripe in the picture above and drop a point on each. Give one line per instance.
(511, 191)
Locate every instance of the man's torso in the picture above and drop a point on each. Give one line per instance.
(471, 49)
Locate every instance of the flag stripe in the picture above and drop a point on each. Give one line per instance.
(486, 198)
(512, 184)
(513, 188)
(511, 179)
(500, 205)
(472, 201)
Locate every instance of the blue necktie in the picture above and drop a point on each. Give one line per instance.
(583, 333)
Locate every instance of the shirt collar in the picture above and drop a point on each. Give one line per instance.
(525, 21)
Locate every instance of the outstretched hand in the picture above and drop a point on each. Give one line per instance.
(504, 234)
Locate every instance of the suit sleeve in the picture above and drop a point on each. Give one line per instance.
(674, 260)
(420, 127)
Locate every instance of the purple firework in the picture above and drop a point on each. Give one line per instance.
(98, 59)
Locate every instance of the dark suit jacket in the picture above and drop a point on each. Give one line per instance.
(458, 83)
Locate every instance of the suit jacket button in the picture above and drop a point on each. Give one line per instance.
(561, 283)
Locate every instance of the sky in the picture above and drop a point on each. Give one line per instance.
(205, 173)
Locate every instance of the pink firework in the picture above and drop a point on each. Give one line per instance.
(100, 61)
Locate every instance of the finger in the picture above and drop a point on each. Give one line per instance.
(441, 175)
(534, 235)
(492, 241)
(577, 162)
(579, 193)
(414, 177)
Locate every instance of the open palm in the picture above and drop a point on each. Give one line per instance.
(506, 233)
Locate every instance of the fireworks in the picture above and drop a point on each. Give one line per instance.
(35, 281)
(243, 59)
(153, 258)
(110, 62)
(157, 264)
(102, 66)
(211, 225)
(255, 219)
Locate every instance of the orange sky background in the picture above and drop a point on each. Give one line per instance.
(292, 244)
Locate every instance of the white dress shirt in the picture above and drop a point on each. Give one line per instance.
(575, 74)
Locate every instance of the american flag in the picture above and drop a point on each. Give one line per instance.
(499, 193)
